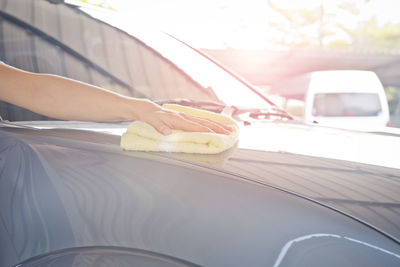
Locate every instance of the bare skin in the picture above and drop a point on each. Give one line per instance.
(67, 99)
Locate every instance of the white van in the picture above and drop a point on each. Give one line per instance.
(346, 99)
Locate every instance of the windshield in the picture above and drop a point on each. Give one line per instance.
(346, 105)
(210, 76)
(78, 44)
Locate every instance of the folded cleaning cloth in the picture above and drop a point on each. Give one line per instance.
(141, 136)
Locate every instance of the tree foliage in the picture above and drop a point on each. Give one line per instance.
(298, 27)
(318, 27)
(375, 37)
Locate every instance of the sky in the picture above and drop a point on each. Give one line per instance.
(219, 24)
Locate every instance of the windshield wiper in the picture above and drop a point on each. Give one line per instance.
(260, 113)
(234, 111)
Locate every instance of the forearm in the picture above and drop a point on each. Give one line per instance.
(80, 101)
(62, 98)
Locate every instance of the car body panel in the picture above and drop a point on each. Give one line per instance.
(104, 256)
(375, 148)
(77, 188)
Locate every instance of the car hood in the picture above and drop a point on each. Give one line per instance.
(305, 163)
(381, 148)
(368, 194)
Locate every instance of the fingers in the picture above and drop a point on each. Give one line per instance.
(179, 122)
(164, 121)
(155, 119)
(213, 125)
(163, 129)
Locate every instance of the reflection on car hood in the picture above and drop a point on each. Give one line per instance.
(92, 256)
(381, 149)
(364, 191)
(306, 164)
(368, 193)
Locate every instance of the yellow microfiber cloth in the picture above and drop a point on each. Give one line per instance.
(141, 136)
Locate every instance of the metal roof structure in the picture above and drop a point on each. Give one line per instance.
(263, 67)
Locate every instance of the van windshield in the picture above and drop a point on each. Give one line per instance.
(346, 105)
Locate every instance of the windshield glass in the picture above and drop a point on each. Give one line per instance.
(346, 104)
(210, 76)
(99, 48)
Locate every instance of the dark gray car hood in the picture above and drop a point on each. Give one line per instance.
(91, 155)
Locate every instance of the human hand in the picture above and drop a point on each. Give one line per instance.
(164, 121)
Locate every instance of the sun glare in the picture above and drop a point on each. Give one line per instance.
(247, 24)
